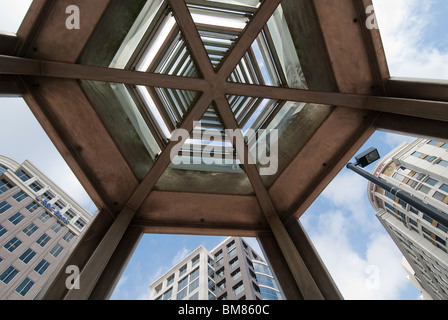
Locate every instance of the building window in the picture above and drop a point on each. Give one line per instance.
(233, 262)
(168, 294)
(69, 214)
(195, 296)
(56, 250)
(16, 218)
(4, 206)
(4, 186)
(439, 196)
(218, 255)
(220, 273)
(2, 230)
(22, 175)
(47, 195)
(30, 229)
(44, 216)
(27, 255)
(24, 287)
(182, 294)
(56, 226)
(32, 207)
(193, 285)
(12, 244)
(424, 189)
(195, 261)
(43, 240)
(2, 169)
(223, 297)
(398, 177)
(221, 286)
(238, 288)
(182, 283)
(170, 280)
(59, 204)
(19, 196)
(442, 163)
(430, 158)
(8, 274)
(236, 274)
(417, 154)
(182, 270)
(194, 274)
(42, 266)
(80, 223)
(231, 246)
(431, 181)
(68, 236)
(36, 186)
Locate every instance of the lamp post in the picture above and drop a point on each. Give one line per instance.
(371, 155)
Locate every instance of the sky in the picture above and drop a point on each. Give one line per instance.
(340, 223)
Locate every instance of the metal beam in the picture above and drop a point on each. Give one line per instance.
(411, 88)
(436, 110)
(248, 36)
(102, 255)
(298, 268)
(22, 66)
(192, 38)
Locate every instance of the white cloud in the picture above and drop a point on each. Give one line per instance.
(361, 257)
(393, 140)
(28, 141)
(348, 192)
(12, 13)
(376, 275)
(403, 26)
(181, 254)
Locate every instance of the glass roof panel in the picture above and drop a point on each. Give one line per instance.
(207, 148)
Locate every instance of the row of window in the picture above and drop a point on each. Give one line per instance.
(425, 264)
(423, 183)
(23, 287)
(431, 159)
(47, 195)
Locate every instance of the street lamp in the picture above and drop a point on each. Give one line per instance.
(371, 155)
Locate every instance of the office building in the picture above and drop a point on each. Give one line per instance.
(231, 271)
(421, 169)
(39, 225)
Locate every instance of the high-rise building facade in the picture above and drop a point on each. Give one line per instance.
(421, 169)
(231, 271)
(39, 224)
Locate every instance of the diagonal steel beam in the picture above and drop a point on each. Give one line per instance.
(29, 67)
(299, 270)
(99, 260)
(192, 37)
(426, 109)
(248, 36)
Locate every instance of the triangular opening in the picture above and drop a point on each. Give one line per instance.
(220, 23)
(207, 147)
(272, 58)
(166, 51)
(165, 107)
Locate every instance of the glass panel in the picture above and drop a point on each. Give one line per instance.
(285, 50)
(136, 34)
